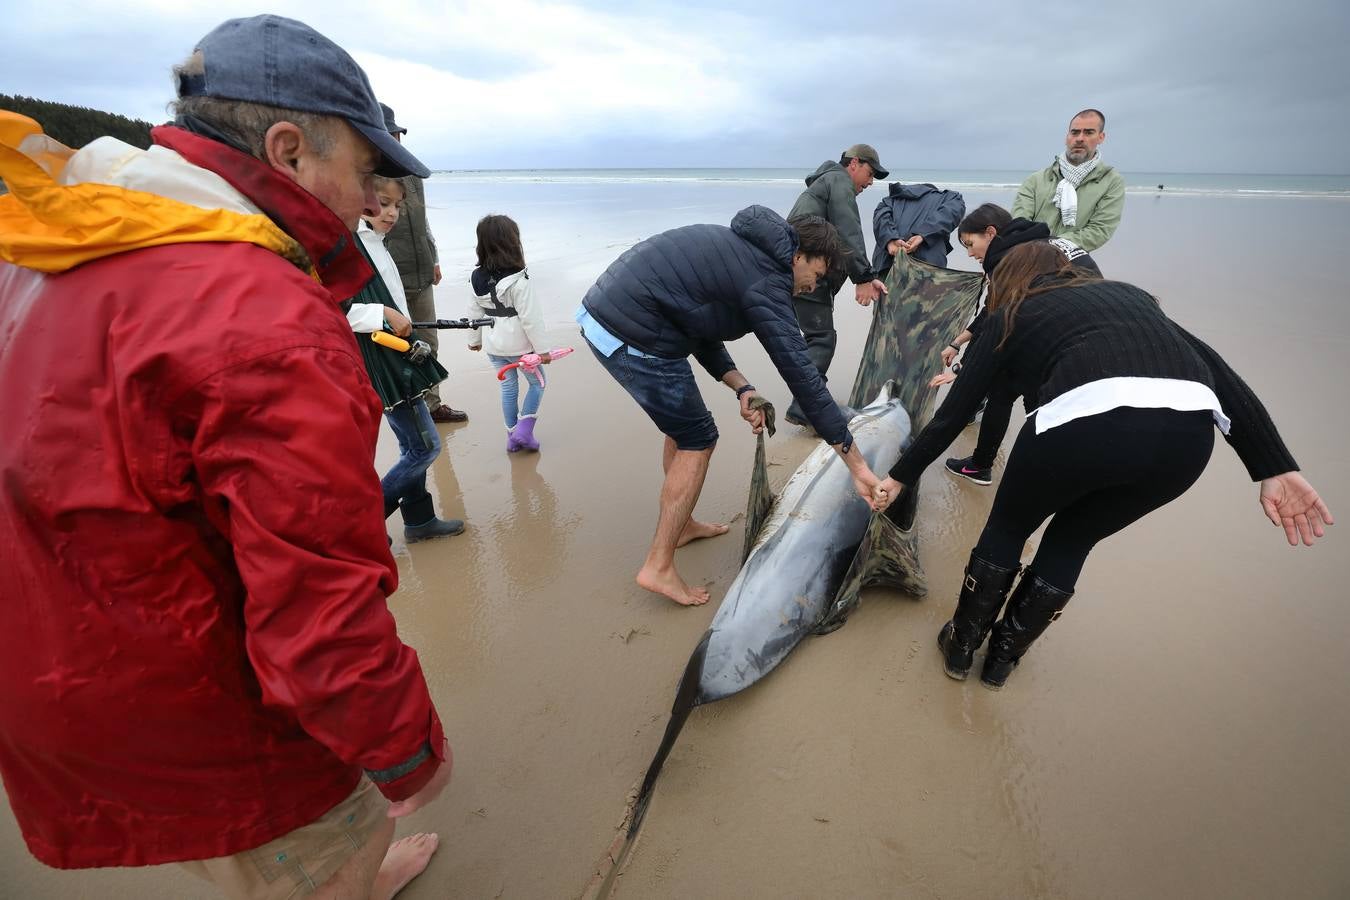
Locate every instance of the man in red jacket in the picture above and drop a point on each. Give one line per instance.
(198, 662)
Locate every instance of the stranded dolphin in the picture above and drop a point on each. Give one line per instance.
(810, 552)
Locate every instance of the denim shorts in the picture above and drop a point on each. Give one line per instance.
(667, 393)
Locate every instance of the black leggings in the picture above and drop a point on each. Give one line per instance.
(993, 426)
(1095, 475)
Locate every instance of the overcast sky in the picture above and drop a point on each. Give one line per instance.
(1195, 86)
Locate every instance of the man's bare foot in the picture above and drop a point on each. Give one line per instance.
(668, 583)
(406, 859)
(696, 529)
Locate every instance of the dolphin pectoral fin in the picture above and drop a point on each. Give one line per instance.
(848, 596)
(887, 557)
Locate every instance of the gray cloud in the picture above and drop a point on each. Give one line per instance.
(1205, 86)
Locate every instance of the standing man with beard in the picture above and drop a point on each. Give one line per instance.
(1078, 195)
(831, 193)
(413, 248)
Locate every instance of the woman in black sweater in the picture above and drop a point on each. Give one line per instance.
(1124, 403)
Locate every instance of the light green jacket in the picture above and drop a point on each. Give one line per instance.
(1101, 197)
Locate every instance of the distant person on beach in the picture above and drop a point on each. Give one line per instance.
(988, 234)
(401, 383)
(684, 292)
(916, 219)
(201, 666)
(413, 248)
(1124, 403)
(1078, 195)
(832, 193)
(501, 288)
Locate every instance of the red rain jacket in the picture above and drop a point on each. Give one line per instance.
(197, 656)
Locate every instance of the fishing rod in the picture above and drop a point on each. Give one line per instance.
(420, 351)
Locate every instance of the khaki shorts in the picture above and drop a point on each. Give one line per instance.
(297, 863)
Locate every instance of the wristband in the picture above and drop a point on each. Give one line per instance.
(954, 347)
(744, 389)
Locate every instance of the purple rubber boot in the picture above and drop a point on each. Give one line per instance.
(513, 443)
(523, 435)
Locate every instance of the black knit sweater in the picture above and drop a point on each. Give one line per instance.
(1071, 336)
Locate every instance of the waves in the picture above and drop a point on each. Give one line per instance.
(1183, 184)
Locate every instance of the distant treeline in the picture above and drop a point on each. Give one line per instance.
(76, 126)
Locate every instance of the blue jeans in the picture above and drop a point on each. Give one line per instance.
(511, 410)
(667, 393)
(418, 443)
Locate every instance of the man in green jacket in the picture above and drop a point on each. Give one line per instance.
(1078, 195)
(831, 193)
(414, 251)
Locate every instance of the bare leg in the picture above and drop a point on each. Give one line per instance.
(379, 870)
(693, 529)
(685, 471)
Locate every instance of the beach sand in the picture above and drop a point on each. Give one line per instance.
(1179, 733)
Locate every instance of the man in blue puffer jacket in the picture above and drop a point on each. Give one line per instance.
(683, 293)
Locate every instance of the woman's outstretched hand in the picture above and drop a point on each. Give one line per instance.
(887, 491)
(1290, 501)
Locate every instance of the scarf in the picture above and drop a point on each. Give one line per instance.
(1066, 192)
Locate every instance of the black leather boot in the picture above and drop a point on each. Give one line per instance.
(982, 594)
(420, 522)
(1034, 605)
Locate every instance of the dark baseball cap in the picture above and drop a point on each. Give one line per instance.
(281, 62)
(865, 153)
(389, 124)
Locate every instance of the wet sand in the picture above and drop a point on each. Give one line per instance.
(1179, 733)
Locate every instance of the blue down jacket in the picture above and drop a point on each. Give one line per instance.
(685, 291)
(911, 209)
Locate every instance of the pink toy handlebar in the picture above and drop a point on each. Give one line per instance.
(531, 362)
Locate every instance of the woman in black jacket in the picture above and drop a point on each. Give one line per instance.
(989, 234)
(1124, 403)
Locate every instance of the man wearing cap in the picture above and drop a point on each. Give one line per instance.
(831, 193)
(1078, 195)
(201, 666)
(413, 248)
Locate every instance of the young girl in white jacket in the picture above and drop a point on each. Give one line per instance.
(501, 286)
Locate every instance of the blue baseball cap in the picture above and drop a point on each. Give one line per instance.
(281, 62)
(390, 125)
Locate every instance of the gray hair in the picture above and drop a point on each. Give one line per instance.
(246, 124)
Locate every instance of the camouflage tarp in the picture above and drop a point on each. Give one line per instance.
(924, 308)
(761, 495)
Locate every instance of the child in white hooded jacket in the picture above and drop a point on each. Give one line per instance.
(501, 287)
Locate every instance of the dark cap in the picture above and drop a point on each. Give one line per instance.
(865, 153)
(1015, 233)
(389, 124)
(285, 63)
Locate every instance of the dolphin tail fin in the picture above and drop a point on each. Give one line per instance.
(761, 497)
(888, 556)
(686, 698)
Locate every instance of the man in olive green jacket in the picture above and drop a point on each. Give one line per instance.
(832, 193)
(1078, 195)
(413, 248)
